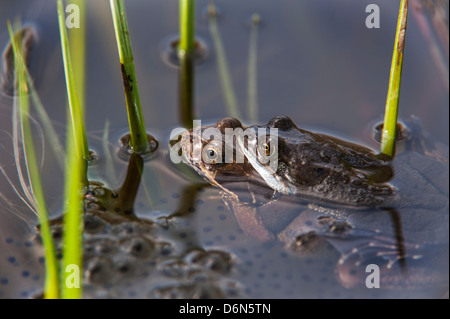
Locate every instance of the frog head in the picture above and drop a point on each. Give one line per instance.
(208, 150)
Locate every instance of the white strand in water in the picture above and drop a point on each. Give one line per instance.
(16, 191)
(25, 186)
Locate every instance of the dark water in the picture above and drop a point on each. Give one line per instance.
(317, 63)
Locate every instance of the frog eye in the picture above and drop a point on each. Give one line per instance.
(212, 154)
(266, 148)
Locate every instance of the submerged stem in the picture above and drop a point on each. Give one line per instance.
(186, 90)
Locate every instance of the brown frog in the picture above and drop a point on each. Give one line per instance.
(365, 204)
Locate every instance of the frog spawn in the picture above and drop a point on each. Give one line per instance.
(122, 251)
(201, 274)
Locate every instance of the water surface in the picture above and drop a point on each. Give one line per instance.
(317, 63)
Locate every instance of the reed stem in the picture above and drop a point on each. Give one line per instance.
(77, 37)
(186, 55)
(71, 285)
(187, 28)
(76, 115)
(51, 286)
(138, 134)
(391, 112)
(75, 174)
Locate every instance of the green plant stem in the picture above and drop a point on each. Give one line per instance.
(252, 91)
(138, 134)
(187, 27)
(73, 226)
(51, 286)
(49, 130)
(186, 55)
(222, 65)
(76, 114)
(75, 176)
(78, 52)
(391, 112)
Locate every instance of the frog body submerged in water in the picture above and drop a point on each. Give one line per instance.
(309, 165)
(347, 190)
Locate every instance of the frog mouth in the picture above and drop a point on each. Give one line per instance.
(211, 177)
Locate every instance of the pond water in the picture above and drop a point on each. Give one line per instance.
(317, 63)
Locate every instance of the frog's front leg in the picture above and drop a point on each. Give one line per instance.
(249, 219)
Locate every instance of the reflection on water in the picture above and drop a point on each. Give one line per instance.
(313, 59)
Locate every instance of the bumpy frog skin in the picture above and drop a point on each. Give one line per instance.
(309, 165)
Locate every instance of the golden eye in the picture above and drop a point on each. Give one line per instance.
(266, 148)
(212, 154)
